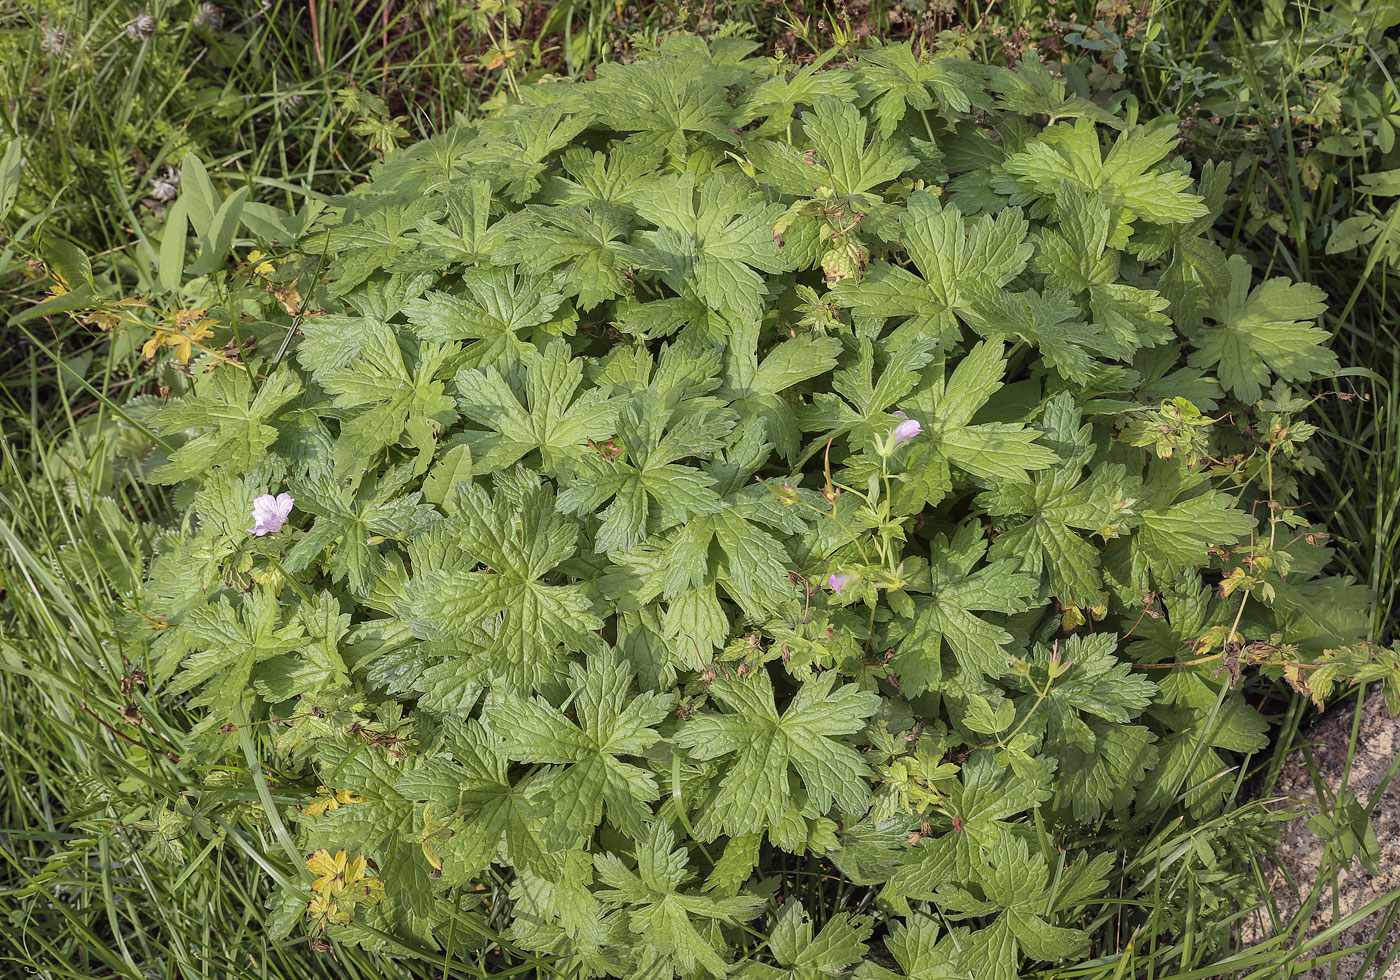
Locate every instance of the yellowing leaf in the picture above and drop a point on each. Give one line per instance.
(327, 800)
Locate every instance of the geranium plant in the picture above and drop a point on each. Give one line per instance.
(736, 516)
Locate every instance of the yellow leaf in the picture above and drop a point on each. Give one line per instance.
(431, 855)
(330, 870)
(261, 265)
(326, 800)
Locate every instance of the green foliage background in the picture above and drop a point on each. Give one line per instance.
(1077, 295)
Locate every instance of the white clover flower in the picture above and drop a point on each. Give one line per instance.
(270, 513)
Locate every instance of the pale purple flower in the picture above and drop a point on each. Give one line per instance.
(270, 513)
(838, 582)
(907, 429)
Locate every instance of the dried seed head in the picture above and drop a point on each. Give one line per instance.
(209, 17)
(53, 40)
(166, 183)
(142, 26)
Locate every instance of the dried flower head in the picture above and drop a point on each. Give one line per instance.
(209, 17)
(141, 27)
(166, 183)
(53, 40)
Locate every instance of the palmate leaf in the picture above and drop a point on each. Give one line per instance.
(895, 81)
(498, 310)
(1084, 723)
(776, 99)
(376, 238)
(680, 378)
(988, 451)
(984, 801)
(955, 263)
(844, 161)
(1047, 519)
(234, 418)
(1052, 322)
(952, 614)
(1030, 90)
(466, 232)
(1125, 180)
(649, 490)
(666, 920)
(865, 406)
(921, 952)
(515, 145)
(735, 549)
(1197, 273)
(465, 809)
(1190, 757)
(515, 625)
(227, 643)
(350, 518)
(433, 164)
(1076, 256)
(553, 419)
(837, 184)
(1263, 332)
(711, 238)
(1014, 882)
(317, 665)
(1180, 521)
(760, 745)
(586, 244)
(562, 916)
(663, 103)
(806, 953)
(382, 395)
(615, 179)
(587, 778)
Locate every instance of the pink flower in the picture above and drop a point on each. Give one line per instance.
(907, 429)
(270, 513)
(838, 582)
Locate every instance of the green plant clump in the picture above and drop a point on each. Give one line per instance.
(747, 519)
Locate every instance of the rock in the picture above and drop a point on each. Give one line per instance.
(1302, 853)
